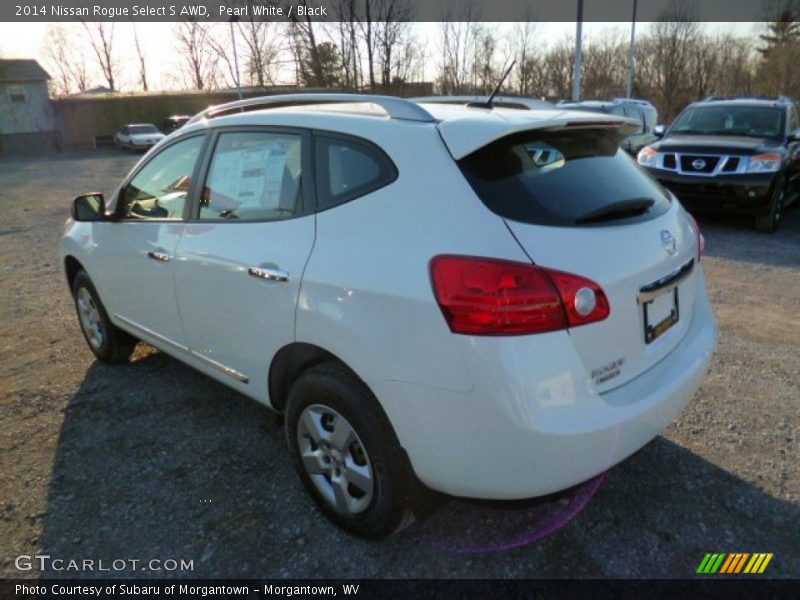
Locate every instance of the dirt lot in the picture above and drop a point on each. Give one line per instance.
(151, 460)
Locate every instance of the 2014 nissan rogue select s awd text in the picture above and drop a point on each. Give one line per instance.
(496, 303)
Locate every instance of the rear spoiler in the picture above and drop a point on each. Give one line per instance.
(463, 136)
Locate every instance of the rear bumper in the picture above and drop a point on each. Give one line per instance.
(748, 194)
(522, 436)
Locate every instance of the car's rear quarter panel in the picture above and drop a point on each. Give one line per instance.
(366, 294)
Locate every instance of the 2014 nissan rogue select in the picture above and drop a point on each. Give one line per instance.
(497, 303)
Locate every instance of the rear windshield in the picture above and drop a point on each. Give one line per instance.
(563, 178)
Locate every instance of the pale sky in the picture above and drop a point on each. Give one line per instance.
(25, 40)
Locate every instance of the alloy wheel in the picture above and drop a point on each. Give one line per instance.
(91, 322)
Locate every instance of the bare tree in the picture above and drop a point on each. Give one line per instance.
(665, 54)
(604, 66)
(528, 68)
(142, 63)
(403, 60)
(65, 61)
(312, 55)
(560, 62)
(101, 38)
(458, 37)
(484, 70)
(780, 50)
(387, 35)
(193, 43)
(220, 48)
(348, 43)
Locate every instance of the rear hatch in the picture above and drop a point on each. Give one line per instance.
(577, 203)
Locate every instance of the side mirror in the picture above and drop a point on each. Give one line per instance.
(794, 136)
(89, 207)
(659, 130)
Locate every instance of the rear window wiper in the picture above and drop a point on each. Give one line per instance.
(617, 210)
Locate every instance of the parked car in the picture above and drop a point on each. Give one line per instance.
(493, 303)
(641, 111)
(731, 154)
(138, 136)
(498, 101)
(173, 123)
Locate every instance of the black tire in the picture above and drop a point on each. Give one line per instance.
(333, 386)
(769, 221)
(113, 345)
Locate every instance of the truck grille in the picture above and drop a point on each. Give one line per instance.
(706, 165)
(698, 164)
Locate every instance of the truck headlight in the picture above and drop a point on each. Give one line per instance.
(647, 156)
(764, 163)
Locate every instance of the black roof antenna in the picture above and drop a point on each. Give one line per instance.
(488, 103)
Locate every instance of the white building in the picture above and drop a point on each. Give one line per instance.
(27, 125)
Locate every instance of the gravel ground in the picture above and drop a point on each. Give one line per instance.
(151, 460)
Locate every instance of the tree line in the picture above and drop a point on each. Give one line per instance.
(375, 47)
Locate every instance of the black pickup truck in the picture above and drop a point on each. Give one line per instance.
(738, 154)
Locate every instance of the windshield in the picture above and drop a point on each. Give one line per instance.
(755, 121)
(563, 178)
(142, 129)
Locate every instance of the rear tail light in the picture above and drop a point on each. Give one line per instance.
(486, 296)
(701, 239)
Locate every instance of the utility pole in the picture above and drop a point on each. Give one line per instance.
(576, 77)
(235, 57)
(632, 53)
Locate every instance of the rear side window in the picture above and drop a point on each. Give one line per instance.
(348, 168)
(563, 178)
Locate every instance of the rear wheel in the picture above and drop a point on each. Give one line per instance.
(769, 221)
(346, 452)
(108, 343)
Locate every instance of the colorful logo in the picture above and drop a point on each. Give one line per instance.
(734, 563)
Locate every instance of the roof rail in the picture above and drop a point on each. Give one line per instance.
(639, 101)
(396, 108)
(778, 99)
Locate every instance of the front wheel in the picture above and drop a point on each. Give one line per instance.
(108, 343)
(346, 452)
(769, 221)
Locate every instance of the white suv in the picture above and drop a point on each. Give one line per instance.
(497, 303)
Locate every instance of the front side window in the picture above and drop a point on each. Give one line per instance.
(159, 189)
(254, 176)
(563, 178)
(792, 120)
(348, 168)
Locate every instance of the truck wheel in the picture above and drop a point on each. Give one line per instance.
(769, 221)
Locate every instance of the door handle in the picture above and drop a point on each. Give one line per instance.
(268, 274)
(162, 256)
